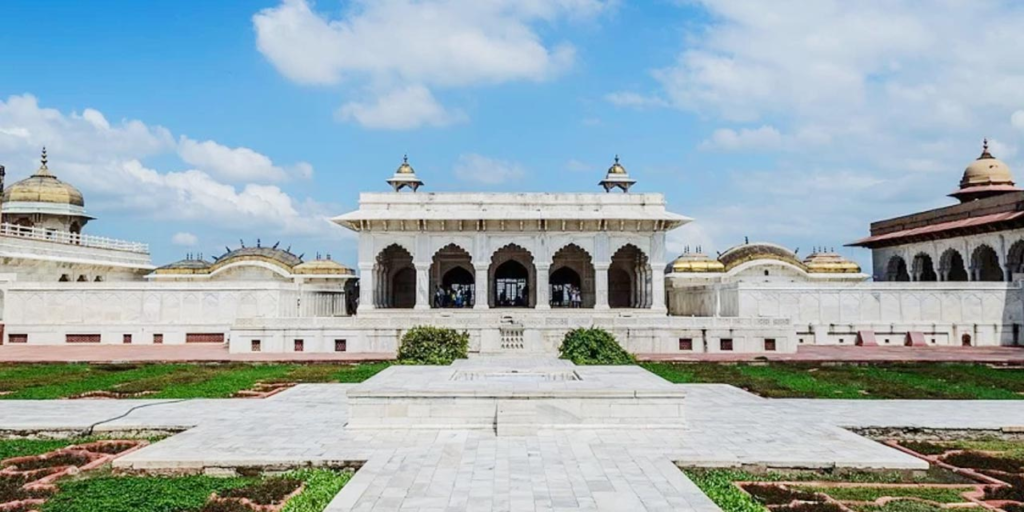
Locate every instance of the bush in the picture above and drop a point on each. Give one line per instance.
(593, 346)
(433, 345)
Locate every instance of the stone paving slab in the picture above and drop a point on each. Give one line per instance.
(475, 470)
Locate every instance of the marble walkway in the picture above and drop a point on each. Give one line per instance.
(421, 470)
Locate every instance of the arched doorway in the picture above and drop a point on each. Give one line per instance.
(985, 264)
(1015, 259)
(565, 288)
(395, 278)
(511, 286)
(896, 270)
(571, 280)
(513, 278)
(452, 280)
(629, 279)
(923, 268)
(951, 265)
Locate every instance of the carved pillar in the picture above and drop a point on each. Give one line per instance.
(422, 286)
(543, 289)
(367, 285)
(601, 285)
(482, 292)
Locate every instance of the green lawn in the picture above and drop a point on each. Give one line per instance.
(99, 490)
(879, 381)
(166, 380)
(777, 380)
(181, 494)
(717, 484)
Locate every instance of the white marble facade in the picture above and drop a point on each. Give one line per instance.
(946, 258)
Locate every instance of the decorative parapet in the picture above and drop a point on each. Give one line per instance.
(68, 238)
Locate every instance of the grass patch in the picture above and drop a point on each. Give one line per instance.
(321, 487)
(937, 494)
(717, 484)
(851, 381)
(167, 380)
(22, 447)
(139, 494)
(190, 493)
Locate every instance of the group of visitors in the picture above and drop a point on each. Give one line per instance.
(453, 297)
(567, 296)
(517, 299)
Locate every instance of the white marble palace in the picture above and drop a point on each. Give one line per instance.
(516, 271)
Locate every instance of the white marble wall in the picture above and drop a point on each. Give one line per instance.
(833, 313)
(542, 245)
(49, 311)
(1002, 242)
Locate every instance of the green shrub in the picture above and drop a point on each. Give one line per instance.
(433, 345)
(593, 346)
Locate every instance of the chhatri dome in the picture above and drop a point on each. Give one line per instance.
(617, 177)
(43, 187)
(43, 200)
(405, 176)
(986, 176)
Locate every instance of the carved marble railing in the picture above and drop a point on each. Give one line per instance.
(66, 237)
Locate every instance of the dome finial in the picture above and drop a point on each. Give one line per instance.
(43, 159)
(405, 158)
(984, 149)
(616, 158)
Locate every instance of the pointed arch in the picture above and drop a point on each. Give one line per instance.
(513, 278)
(985, 264)
(896, 269)
(571, 278)
(629, 278)
(923, 268)
(394, 278)
(951, 266)
(452, 278)
(1015, 259)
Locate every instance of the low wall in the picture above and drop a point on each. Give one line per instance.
(515, 332)
(989, 314)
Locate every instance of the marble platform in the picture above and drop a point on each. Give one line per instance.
(515, 396)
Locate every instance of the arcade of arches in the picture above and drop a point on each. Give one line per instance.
(514, 279)
(984, 266)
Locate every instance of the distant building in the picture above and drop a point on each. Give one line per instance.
(518, 270)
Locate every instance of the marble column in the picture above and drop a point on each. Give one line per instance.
(543, 290)
(367, 286)
(601, 285)
(658, 288)
(422, 286)
(482, 292)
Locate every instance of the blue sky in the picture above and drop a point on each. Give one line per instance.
(190, 125)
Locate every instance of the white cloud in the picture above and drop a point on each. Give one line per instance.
(480, 169)
(575, 165)
(765, 137)
(401, 45)
(401, 109)
(233, 164)
(1017, 119)
(862, 101)
(185, 239)
(105, 159)
(634, 100)
(441, 42)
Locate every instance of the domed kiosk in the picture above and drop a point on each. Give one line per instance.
(987, 176)
(44, 201)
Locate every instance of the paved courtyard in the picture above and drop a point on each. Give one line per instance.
(426, 470)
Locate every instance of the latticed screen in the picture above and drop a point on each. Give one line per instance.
(82, 338)
(204, 337)
(17, 338)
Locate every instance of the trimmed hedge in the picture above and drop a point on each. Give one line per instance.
(433, 345)
(594, 346)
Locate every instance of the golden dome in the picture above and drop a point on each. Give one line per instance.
(986, 170)
(323, 267)
(617, 168)
(746, 252)
(830, 263)
(43, 187)
(405, 168)
(696, 262)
